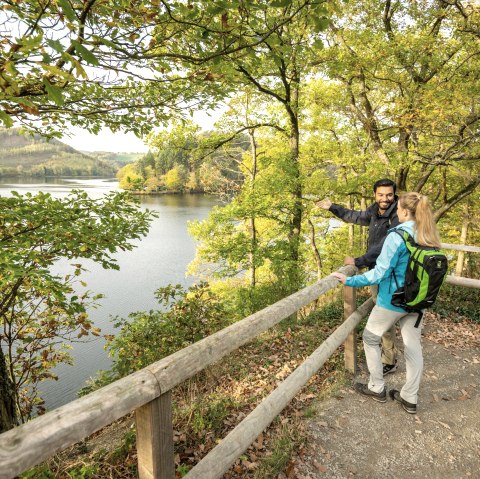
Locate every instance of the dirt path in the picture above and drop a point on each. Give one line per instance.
(355, 437)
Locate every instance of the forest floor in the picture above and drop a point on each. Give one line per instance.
(328, 430)
(354, 437)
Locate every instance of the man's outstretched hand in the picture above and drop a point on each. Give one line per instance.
(325, 204)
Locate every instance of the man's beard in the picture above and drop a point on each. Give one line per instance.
(384, 205)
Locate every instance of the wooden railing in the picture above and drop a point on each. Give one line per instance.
(148, 393)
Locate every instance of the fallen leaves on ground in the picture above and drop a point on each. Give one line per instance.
(451, 334)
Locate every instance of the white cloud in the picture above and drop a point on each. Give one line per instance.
(104, 141)
(127, 142)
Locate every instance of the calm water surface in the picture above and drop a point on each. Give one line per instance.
(159, 259)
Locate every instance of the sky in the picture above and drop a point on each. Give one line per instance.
(123, 142)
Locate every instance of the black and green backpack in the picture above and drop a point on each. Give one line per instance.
(426, 271)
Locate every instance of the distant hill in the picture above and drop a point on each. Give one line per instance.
(26, 155)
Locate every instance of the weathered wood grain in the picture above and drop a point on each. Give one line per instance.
(31, 443)
(155, 439)
(350, 345)
(466, 282)
(460, 247)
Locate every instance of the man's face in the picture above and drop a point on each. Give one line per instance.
(384, 197)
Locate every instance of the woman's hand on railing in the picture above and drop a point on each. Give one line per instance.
(340, 276)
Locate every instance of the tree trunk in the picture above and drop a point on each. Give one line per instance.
(296, 218)
(351, 229)
(8, 411)
(364, 231)
(253, 229)
(463, 240)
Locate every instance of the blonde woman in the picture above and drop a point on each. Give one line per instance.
(415, 217)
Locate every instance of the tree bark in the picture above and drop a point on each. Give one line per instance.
(463, 240)
(8, 410)
(292, 107)
(253, 228)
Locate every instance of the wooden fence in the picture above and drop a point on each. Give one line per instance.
(148, 393)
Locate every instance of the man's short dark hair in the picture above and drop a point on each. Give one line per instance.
(385, 182)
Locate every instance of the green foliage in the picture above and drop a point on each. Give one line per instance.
(396, 98)
(84, 472)
(458, 303)
(176, 178)
(41, 311)
(38, 472)
(146, 337)
(119, 454)
(183, 469)
(89, 64)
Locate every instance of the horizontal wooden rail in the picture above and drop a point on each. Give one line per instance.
(460, 281)
(460, 247)
(33, 442)
(218, 461)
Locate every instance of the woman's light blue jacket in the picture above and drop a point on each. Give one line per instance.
(393, 257)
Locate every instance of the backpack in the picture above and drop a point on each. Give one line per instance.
(426, 271)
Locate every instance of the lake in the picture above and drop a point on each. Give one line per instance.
(159, 259)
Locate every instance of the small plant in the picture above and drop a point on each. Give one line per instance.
(146, 337)
(84, 472)
(183, 469)
(121, 452)
(287, 439)
(458, 303)
(38, 472)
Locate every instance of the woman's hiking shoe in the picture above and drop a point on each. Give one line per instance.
(363, 389)
(408, 406)
(389, 368)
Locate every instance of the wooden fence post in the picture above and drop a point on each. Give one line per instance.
(155, 439)
(350, 344)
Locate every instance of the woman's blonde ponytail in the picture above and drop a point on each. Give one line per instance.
(425, 227)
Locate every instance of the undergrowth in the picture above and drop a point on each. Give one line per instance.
(208, 406)
(458, 303)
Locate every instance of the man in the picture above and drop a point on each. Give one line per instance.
(379, 217)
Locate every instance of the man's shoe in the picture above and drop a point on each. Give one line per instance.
(363, 389)
(408, 406)
(389, 368)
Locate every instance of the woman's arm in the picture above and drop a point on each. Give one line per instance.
(386, 261)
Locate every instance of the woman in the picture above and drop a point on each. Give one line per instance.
(415, 217)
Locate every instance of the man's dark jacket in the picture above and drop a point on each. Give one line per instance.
(378, 226)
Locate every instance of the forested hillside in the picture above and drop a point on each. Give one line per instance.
(27, 155)
(184, 159)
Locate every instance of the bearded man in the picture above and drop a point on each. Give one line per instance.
(379, 217)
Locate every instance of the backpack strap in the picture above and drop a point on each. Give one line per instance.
(404, 237)
(417, 322)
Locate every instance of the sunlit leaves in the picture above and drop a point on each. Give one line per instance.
(40, 310)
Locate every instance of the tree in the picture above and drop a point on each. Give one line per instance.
(115, 63)
(38, 309)
(129, 178)
(274, 68)
(409, 72)
(176, 179)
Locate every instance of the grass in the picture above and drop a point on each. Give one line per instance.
(285, 442)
